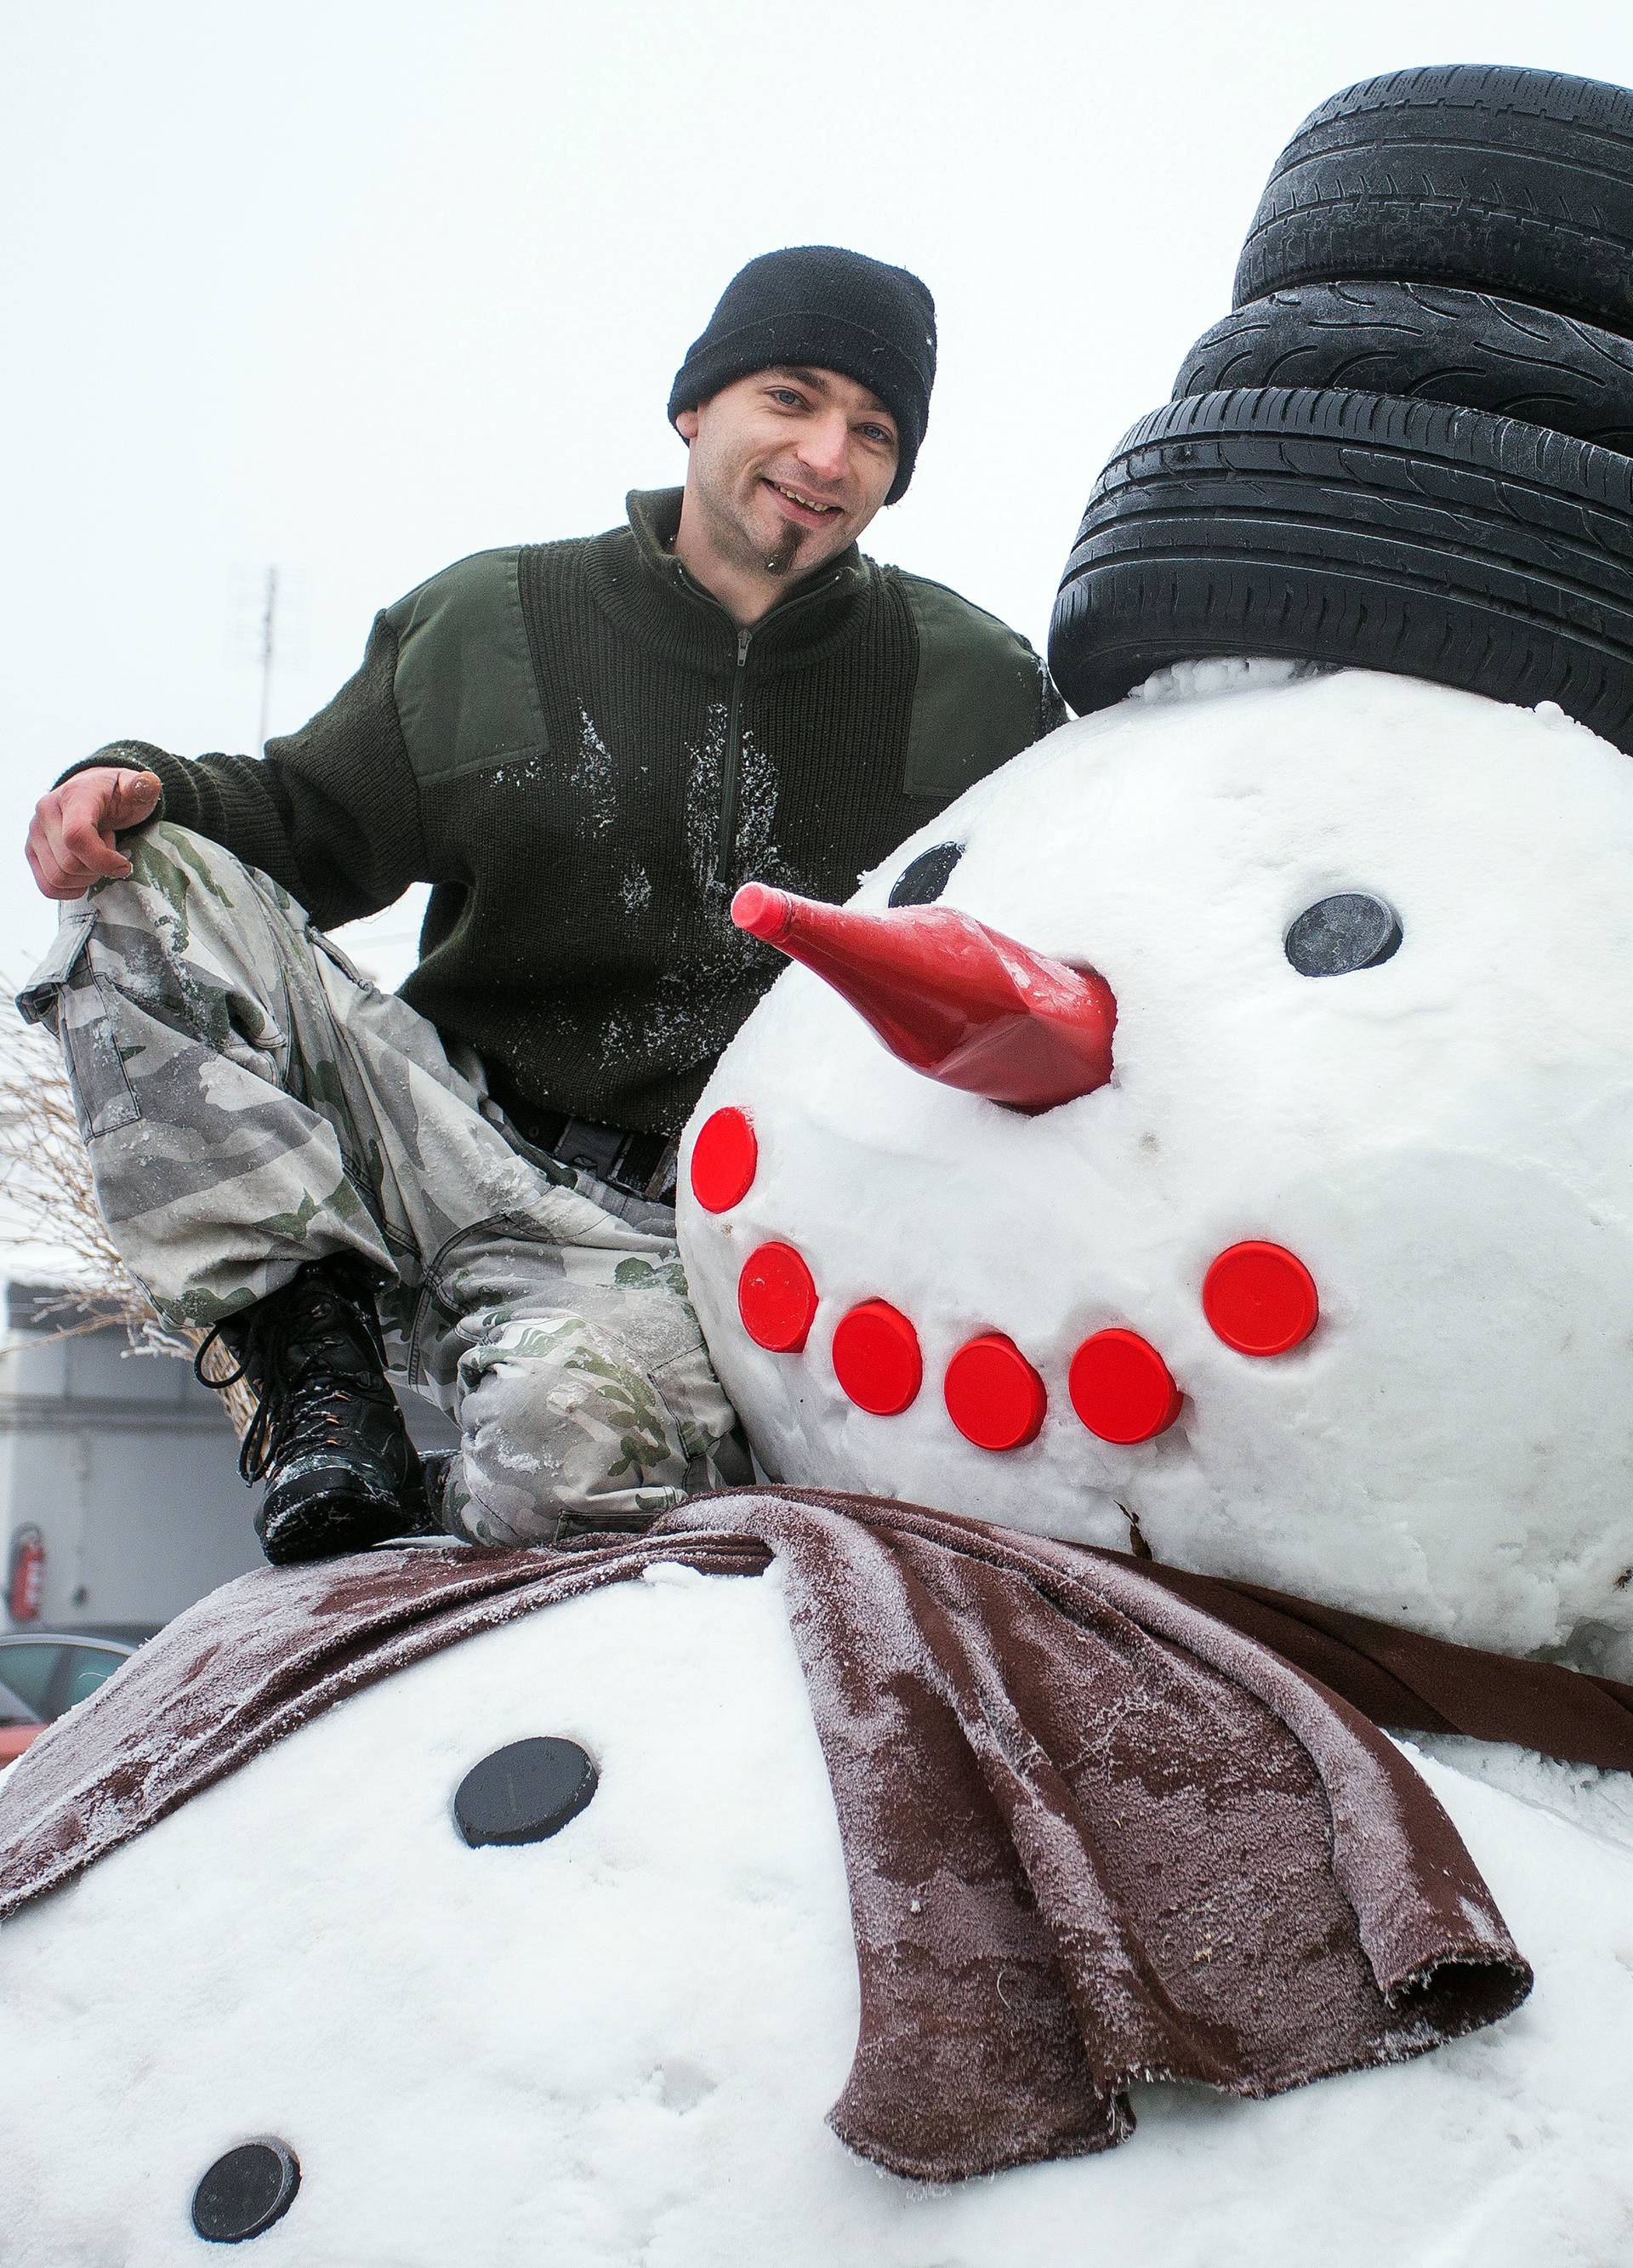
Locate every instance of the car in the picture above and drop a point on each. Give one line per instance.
(19, 1726)
(44, 1673)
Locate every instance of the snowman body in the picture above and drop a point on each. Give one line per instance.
(619, 2045)
(1442, 1141)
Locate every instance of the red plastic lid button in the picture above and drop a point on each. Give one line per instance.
(724, 1160)
(994, 1396)
(1121, 1387)
(876, 1359)
(1259, 1298)
(777, 1298)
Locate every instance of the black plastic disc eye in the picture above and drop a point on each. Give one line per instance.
(921, 881)
(245, 2191)
(524, 1793)
(1339, 934)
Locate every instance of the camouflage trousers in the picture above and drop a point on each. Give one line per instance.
(250, 1102)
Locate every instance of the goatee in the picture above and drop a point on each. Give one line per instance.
(779, 560)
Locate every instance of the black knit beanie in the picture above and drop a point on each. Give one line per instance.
(829, 310)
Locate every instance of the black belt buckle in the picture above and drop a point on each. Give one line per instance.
(641, 1165)
(592, 1149)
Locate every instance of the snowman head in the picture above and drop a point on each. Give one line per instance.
(1323, 1278)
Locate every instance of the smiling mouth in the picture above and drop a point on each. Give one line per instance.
(811, 510)
(1258, 1298)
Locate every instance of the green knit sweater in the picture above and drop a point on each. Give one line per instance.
(577, 748)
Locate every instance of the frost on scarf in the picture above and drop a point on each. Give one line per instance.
(1095, 1834)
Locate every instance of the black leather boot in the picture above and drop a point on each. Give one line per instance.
(328, 1437)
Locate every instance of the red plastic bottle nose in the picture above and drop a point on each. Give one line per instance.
(957, 1001)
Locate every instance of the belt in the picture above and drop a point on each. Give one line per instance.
(640, 1165)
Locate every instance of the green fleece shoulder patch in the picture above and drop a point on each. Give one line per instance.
(977, 694)
(467, 694)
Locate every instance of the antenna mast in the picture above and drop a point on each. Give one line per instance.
(267, 627)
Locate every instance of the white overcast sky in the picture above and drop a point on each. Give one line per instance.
(356, 288)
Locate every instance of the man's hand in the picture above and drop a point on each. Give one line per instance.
(70, 838)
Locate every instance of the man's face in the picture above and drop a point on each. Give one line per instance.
(788, 467)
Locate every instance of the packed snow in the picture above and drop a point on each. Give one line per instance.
(617, 2047)
(1443, 1141)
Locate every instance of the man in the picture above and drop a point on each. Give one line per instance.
(585, 746)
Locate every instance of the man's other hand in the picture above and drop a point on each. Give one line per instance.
(70, 838)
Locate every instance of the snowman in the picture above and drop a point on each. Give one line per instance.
(1231, 995)
(1243, 1177)
(1230, 1164)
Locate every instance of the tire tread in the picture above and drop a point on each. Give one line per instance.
(1514, 182)
(1435, 541)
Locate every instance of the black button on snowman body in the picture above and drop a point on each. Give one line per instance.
(1338, 935)
(245, 2191)
(523, 1792)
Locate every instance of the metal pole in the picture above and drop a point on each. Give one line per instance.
(267, 623)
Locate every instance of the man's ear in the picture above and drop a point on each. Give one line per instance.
(686, 424)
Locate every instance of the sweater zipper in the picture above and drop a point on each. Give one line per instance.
(729, 770)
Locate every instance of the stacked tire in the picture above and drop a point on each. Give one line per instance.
(1410, 447)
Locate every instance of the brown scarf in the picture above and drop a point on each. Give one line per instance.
(1103, 1821)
